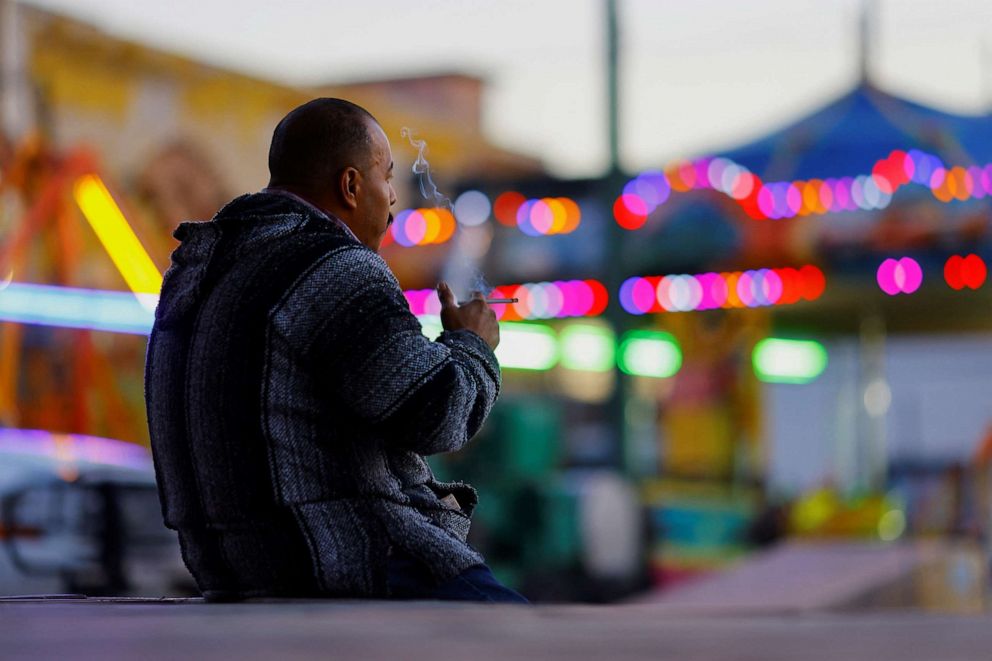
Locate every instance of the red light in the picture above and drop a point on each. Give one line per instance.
(600, 297)
(630, 211)
(812, 282)
(973, 271)
(791, 285)
(505, 207)
(952, 272)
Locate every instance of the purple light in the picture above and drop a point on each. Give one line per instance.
(524, 218)
(627, 296)
(75, 448)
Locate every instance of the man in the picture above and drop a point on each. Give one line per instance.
(291, 394)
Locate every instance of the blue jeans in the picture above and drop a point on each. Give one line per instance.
(410, 579)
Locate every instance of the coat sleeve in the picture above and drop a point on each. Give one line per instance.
(348, 320)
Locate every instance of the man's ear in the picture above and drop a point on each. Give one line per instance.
(349, 185)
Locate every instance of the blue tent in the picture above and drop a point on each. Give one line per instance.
(842, 139)
(847, 136)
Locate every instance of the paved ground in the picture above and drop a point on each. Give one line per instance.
(410, 631)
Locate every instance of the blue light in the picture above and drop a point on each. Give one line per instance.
(117, 312)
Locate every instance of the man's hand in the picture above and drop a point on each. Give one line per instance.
(476, 315)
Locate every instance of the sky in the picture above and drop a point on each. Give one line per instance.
(697, 76)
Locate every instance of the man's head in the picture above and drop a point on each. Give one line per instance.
(335, 155)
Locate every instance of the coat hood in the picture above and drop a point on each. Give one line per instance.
(245, 224)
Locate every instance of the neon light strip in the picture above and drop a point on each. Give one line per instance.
(117, 312)
(788, 199)
(116, 235)
(74, 448)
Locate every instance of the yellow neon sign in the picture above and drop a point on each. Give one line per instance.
(116, 235)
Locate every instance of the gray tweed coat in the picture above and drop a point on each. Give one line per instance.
(291, 398)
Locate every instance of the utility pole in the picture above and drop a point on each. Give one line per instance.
(612, 186)
(867, 28)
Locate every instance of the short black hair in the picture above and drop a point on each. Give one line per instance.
(317, 140)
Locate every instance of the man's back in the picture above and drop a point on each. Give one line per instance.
(290, 398)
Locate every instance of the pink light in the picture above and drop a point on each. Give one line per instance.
(793, 199)
(585, 298)
(556, 300)
(827, 195)
(766, 202)
(542, 218)
(743, 186)
(771, 286)
(886, 277)
(910, 273)
(642, 295)
(706, 301)
(416, 228)
(432, 304)
(745, 290)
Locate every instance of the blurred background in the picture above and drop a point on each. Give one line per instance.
(752, 352)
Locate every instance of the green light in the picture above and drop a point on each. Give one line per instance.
(788, 361)
(588, 348)
(430, 325)
(650, 353)
(527, 346)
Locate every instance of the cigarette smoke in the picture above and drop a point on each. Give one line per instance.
(461, 270)
(421, 168)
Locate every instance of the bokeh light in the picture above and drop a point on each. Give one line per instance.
(789, 199)
(421, 227)
(961, 272)
(649, 353)
(707, 291)
(778, 360)
(472, 208)
(899, 276)
(537, 300)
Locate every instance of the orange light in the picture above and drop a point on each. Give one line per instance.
(447, 225)
(559, 214)
(733, 297)
(432, 226)
(573, 214)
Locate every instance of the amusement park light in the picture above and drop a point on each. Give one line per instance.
(535, 300)
(899, 276)
(421, 227)
(649, 353)
(472, 208)
(789, 199)
(117, 312)
(788, 361)
(537, 217)
(527, 346)
(116, 235)
(707, 291)
(587, 347)
(961, 272)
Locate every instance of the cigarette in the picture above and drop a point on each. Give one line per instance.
(494, 301)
